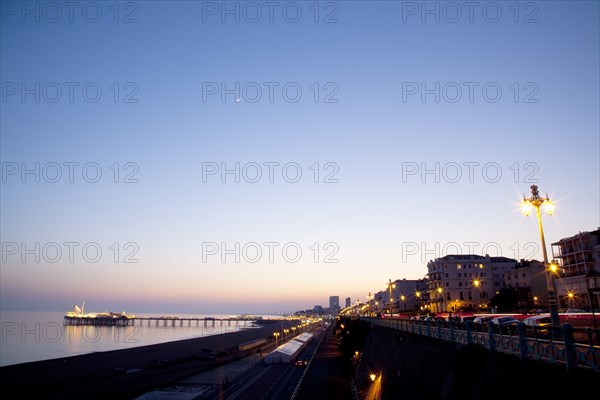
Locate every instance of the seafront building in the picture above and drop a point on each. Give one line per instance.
(465, 282)
(578, 280)
(529, 275)
(405, 294)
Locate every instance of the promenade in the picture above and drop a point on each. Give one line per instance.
(327, 378)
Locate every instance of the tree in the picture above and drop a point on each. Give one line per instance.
(505, 300)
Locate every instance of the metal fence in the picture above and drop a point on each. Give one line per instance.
(565, 351)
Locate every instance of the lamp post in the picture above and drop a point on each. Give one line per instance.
(476, 283)
(591, 293)
(418, 301)
(442, 305)
(538, 202)
(390, 287)
(571, 297)
(403, 299)
(276, 334)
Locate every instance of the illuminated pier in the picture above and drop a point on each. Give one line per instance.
(123, 320)
(99, 321)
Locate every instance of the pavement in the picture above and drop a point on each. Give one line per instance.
(327, 377)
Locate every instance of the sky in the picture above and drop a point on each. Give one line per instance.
(256, 157)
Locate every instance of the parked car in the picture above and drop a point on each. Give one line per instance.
(539, 324)
(505, 323)
(481, 321)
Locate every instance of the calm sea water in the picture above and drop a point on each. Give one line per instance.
(34, 336)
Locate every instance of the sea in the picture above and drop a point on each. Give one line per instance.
(34, 336)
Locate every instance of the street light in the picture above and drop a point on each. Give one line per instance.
(418, 300)
(538, 202)
(403, 299)
(591, 293)
(369, 298)
(276, 334)
(390, 287)
(571, 297)
(477, 283)
(442, 306)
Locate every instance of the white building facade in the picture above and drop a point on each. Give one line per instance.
(578, 281)
(465, 282)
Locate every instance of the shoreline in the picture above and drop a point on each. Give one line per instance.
(38, 336)
(122, 374)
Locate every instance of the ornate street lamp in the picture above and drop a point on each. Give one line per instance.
(537, 202)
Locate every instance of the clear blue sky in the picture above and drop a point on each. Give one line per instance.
(371, 62)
